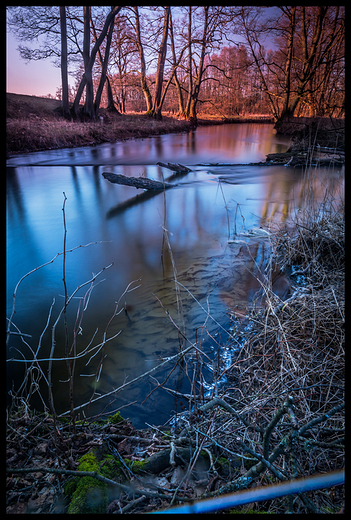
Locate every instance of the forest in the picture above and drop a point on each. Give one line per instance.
(187, 61)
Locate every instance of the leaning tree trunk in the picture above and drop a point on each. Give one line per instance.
(156, 106)
(103, 69)
(110, 102)
(64, 72)
(114, 11)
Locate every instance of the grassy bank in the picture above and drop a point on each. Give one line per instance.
(30, 135)
(34, 124)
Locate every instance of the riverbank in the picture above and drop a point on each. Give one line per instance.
(35, 124)
(314, 142)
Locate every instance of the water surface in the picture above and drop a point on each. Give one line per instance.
(176, 246)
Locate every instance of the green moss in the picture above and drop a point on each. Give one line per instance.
(116, 418)
(88, 495)
(70, 486)
(110, 467)
(88, 462)
(138, 466)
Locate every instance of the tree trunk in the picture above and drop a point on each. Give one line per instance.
(103, 69)
(288, 63)
(310, 57)
(143, 82)
(64, 73)
(156, 106)
(89, 89)
(191, 113)
(190, 59)
(114, 11)
(175, 64)
(110, 102)
(136, 182)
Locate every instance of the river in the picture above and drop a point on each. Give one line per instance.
(179, 250)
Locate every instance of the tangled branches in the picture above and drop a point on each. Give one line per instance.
(283, 415)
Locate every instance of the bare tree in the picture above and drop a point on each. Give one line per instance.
(156, 104)
(307, 38)
(318, 36)
(290, 14)
(88, 69)
(64, 70)
(176, 63)
(194, 86)
(104, 64)
(110, 102)
(142, 71)
(250, 30)
(212, 22)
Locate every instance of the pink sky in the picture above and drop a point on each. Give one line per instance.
(37, 78)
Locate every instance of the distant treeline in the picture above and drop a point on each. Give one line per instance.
(190, 60)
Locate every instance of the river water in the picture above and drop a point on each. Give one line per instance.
(179, 250)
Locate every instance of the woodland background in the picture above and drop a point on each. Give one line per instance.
(190, 60)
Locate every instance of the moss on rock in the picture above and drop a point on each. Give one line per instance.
(88, 495)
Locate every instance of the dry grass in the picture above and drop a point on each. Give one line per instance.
(34, 124)
(34, 133)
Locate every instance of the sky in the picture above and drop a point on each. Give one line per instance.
(37, 78)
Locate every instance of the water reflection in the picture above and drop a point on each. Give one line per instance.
(237, 143)
(129, 225)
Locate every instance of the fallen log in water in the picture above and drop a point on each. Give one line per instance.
(136, 182)
(179, 168)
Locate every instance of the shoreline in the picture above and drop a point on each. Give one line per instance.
(23, 137)
(34, 124)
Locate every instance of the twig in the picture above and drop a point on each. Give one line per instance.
(76, 473)
(218, 401)
(318, 420)
(125, 385)
(36, 269)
